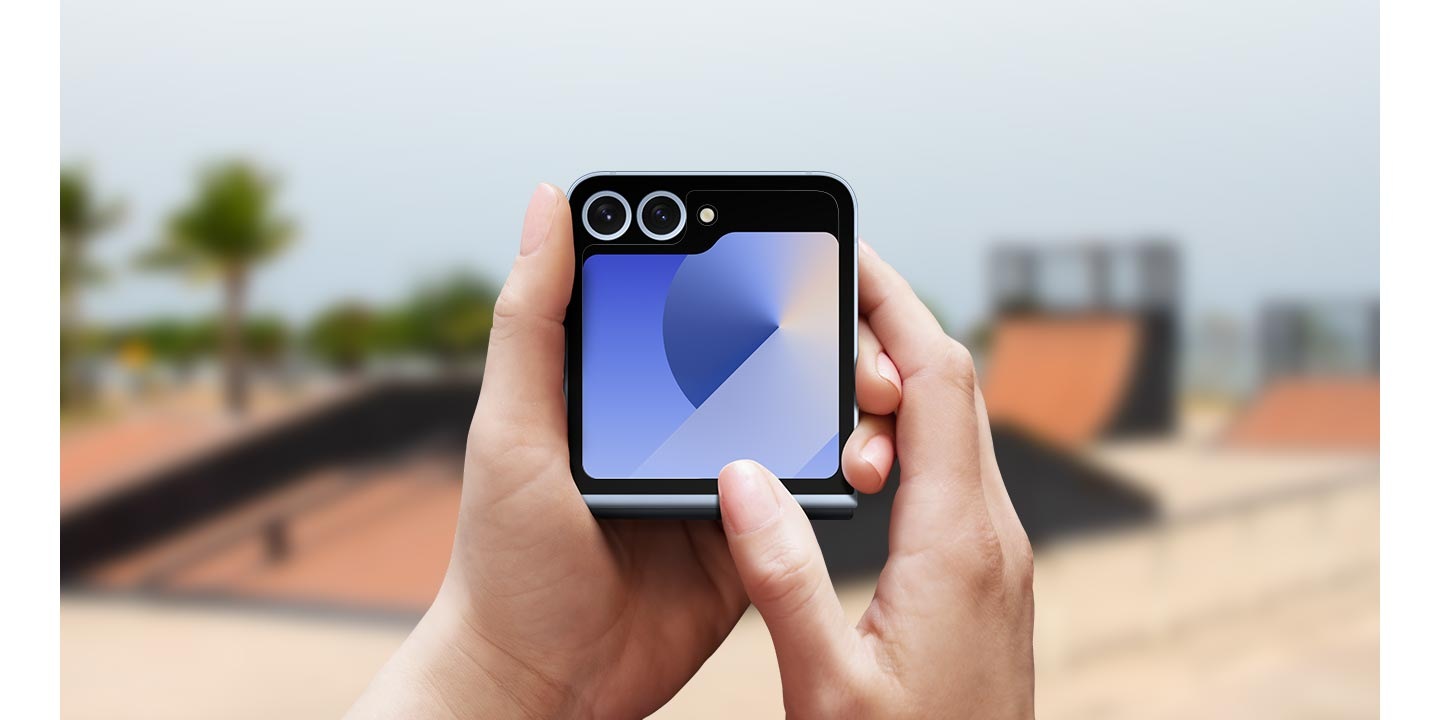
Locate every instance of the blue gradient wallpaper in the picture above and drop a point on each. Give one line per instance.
(692, 361)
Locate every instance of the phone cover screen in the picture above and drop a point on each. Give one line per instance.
(693, 361)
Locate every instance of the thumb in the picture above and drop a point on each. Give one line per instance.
(784, 574)
(524, 367)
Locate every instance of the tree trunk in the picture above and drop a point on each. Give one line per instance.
(71, 390)
(232, 342)
(74, 384)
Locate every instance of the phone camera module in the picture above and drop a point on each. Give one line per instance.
(662, 215)
(606, 215)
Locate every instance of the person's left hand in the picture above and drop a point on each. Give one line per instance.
(544, 610)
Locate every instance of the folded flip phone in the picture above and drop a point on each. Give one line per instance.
(712, 320)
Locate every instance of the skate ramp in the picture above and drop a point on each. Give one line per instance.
(1061, 379)
(1312, 413)
(368, 430)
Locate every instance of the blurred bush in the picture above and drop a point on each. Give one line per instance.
(448, 320)
(267, 340)
(177, 343)
(83, 217)
(344, 336)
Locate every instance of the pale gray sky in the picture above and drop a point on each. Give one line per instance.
(410, 133)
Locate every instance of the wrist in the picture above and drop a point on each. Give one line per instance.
(475, 676)
(448, 668)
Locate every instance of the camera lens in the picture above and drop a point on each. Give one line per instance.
(662, 215)
(606, 215)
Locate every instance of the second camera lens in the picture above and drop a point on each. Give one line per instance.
(661, 215)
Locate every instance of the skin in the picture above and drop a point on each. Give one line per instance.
(547, 612)
(949, 632)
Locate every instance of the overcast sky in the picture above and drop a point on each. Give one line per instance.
(410, 134)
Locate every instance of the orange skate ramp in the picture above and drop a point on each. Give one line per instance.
(1313, 413)
(1061, 379)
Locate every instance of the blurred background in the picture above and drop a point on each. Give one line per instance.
(283, 226)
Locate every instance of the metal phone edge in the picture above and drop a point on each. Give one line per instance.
(707, 507)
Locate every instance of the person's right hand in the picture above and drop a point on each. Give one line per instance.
(949, 633)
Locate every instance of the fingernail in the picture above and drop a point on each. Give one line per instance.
(866, 247)
(874, 453)
(537, 218)
(746, 500)
(886, 368)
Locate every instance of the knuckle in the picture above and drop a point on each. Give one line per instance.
(512, 461)
(784, 578)
(515, 314)
(509, 310)
(958, 364)
(486, 426)
(482, 431)
(1023, 563)
(500, 447)
(988, 560)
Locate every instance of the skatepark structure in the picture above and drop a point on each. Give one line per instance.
(1180, 550)
(1321, 384)
(1082, 347)
(1075, 386)
(1314, 413)
(273, 510)
(246, 515)
(1097, 361)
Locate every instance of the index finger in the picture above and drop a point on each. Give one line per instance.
(907, 330)
(936, 429)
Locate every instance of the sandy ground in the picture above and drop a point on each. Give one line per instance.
(1314, 655)
(1256, 596)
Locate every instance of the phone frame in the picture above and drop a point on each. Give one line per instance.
(769, 209)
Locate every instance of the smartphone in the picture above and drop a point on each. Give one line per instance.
(712, 320)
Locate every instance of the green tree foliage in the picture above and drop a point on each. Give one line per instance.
(450, 320)
(224, 231)
(446, 321)
(83, 217)
(267, 339)
(180, 343)
(345, 336)
(175, 342)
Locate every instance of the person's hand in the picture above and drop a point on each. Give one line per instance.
(949, 631)
(544, 611)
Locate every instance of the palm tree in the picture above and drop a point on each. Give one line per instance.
(223, 232)
(83, 217)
